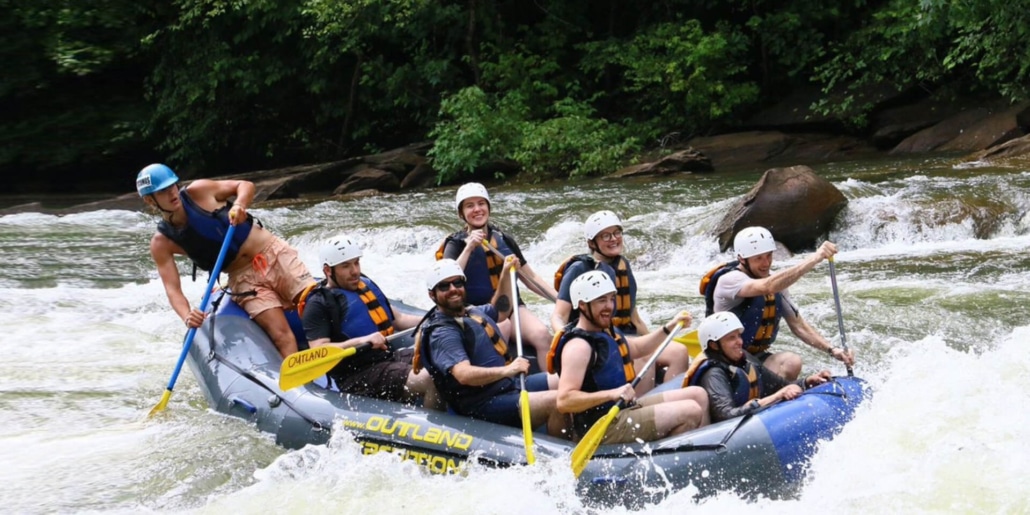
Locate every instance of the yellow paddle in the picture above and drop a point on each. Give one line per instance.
(307, 365)
(691, 342)
(527, 420)
(586, 447)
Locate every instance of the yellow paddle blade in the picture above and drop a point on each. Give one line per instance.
(162, 404)
(586, 447)
(527, 426)
(307, 365)
(691, 342)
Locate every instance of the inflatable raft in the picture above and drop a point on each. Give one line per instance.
(765, 453)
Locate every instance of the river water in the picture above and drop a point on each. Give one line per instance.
(934, 283)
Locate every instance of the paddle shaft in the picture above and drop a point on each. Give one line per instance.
(840, 314)
(203, 307)
(527, 433)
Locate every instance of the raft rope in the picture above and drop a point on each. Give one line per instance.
(247, 374)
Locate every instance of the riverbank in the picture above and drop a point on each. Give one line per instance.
(994, 133)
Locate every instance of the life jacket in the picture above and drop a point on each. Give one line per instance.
(761, 320)
(745, 381)
(484, 266)
(624, 297)
(344, 324)
(456, 394)
(204, 233)
(610, 366)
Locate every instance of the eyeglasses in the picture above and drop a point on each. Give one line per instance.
(446, 285)
(609, 236)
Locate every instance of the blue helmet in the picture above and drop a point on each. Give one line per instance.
(155, 178)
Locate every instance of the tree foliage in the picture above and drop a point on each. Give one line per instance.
(560, 88)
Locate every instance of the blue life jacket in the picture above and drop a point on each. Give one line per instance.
(611, 366)
(204, 233)
(483, 269)
(759, 316)
(346, 323)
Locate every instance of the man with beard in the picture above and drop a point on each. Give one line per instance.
(471, 364)
(760, 299)
(736, 381)
(594, 363)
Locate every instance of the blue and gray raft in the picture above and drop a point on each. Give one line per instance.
(764, 454)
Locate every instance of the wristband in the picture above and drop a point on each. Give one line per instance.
(666, 330)
(830, 351)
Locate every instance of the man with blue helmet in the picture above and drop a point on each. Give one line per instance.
(266, 275)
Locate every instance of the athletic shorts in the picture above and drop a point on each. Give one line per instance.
(504, 408)
(383, 380)
(634, 423)
(276, 276)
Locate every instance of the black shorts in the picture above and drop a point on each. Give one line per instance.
(383, 380)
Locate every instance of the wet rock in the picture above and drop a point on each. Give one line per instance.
(369, 178)
(1014, 152)
(993, 130)
(750, 148)
(795, 204)
(687, 160)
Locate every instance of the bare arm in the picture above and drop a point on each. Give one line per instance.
(470, 375)
(560, 315)
(163, 251)
(805, 332)
(537, 285)
(377, 340)
(646, 344)
(784, 279)
(211, 194)
(571, 397)
(402, 321)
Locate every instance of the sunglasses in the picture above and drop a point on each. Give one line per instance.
(445, 286)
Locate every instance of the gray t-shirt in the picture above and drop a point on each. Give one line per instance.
(729, 286)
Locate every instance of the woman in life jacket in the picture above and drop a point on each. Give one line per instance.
(480, 248)
(604, 238)
(736, 381)
(594, 363)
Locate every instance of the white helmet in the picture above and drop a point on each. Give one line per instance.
(718, 325)
(339, 249)
(470, 190)
(590, 286)
(752, 241)
(598, 222)
(441, 270)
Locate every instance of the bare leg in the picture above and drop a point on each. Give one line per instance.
(675, 359)
(422, 384)
(273, 321)
(534, 333)
(786, 364)
(675, 417)
(542, 405)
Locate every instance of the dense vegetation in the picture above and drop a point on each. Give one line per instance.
(94, 89)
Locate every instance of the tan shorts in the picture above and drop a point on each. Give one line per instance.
(275, 276)
(634, 423)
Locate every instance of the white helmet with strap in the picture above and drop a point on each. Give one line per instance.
(752, 241)
(589, 286)
(441, 270)
(470, 190)
(600, 221)
(717, 325)
(339, 249)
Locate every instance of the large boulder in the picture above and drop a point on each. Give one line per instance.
(1014, 152)
(748, 148)
(795, 204)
